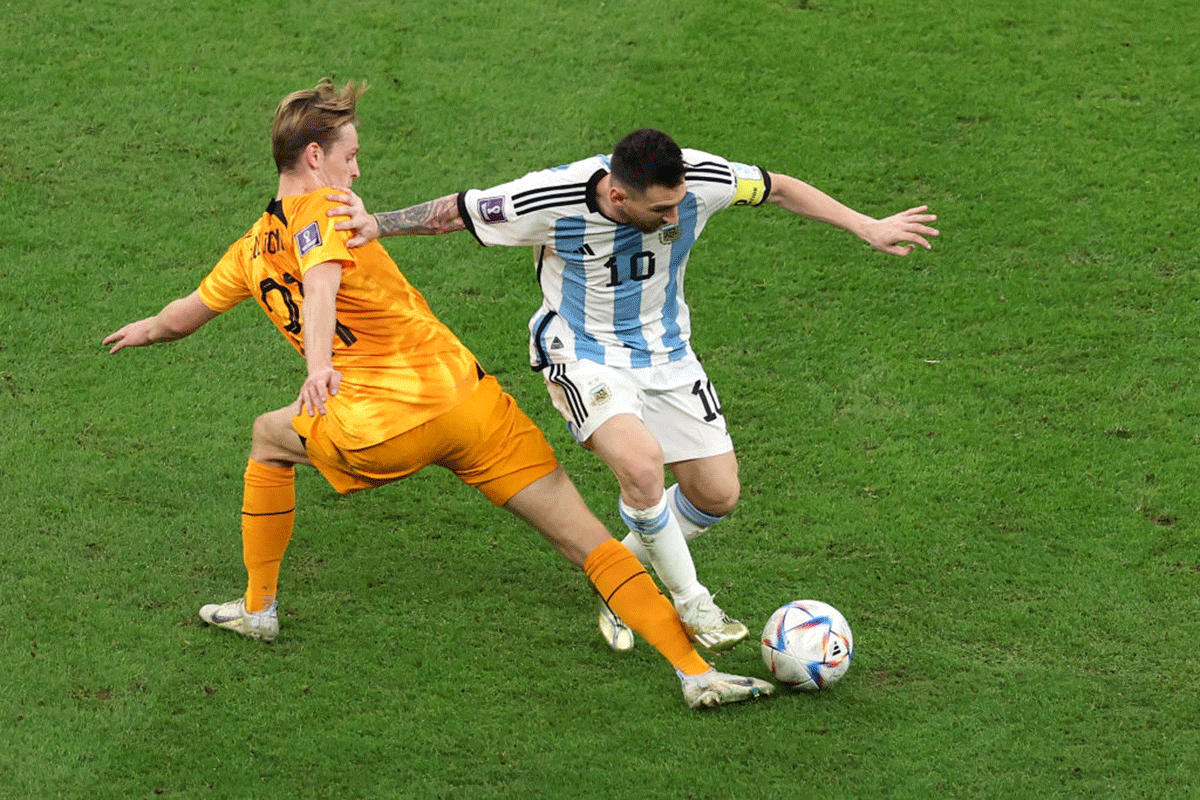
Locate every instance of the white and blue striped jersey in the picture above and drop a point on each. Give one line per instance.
(610, 293)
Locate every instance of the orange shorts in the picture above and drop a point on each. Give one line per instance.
(486, 440)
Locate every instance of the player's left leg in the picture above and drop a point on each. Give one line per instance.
(268, 517)
(706, 490)
(684, 414)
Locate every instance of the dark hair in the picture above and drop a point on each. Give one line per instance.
(647, 158)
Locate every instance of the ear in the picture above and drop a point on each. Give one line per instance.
(313, 155)
(616, 195)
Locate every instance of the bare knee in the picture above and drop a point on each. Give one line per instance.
(274, 440)
(717, 499)
(725, 503)
(710, 484)
(635, 458)
(262, 430)
(641, 481)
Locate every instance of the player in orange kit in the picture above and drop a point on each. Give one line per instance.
(390, 390)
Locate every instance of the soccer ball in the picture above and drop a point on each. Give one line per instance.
(807, 645)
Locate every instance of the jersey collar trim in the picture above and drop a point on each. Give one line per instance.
(275, 209)
(593, 204)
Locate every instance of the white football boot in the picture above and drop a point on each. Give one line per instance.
(711, 689)
(233, 616)
(616, 633)
(709, 626)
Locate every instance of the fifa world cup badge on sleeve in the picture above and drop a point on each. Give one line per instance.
(491, 210)
(308, 238)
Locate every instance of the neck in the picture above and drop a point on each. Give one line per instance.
(604, 199)
(295, 183)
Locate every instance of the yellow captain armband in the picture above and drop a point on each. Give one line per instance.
(753, 185)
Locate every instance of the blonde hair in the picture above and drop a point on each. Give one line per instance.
(312, 115)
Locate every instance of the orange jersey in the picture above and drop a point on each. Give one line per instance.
(401, 366)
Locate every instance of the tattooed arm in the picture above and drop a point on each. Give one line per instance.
(426, 219)
(436, 216)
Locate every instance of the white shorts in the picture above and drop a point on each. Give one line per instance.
(676, 402)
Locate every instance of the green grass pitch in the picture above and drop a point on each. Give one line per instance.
(984, 455)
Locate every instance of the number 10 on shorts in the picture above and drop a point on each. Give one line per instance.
(704, 390)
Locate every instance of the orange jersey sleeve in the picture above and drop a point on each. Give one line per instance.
(224, 287)
(401, 366)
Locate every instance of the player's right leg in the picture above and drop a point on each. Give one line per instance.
(604, 408)
(632, 453)
(635, 458)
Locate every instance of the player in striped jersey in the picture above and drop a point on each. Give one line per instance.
(390, 390)
(611, 238)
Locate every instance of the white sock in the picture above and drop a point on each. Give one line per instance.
(692, 521)
(665, 548)
(634, 543)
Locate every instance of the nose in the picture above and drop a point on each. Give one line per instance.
(672, 216)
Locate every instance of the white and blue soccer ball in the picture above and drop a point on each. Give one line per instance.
(807, 645)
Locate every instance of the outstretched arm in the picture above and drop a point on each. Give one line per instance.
(178, 319)
(428, 219)
(897, 234)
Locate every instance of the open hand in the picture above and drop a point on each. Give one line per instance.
(135, 334)
(900, 233)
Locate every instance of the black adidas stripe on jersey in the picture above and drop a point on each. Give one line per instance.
(708, 172)
(545, 197)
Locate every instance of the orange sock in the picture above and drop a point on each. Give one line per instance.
(630, 591)
(268, 516)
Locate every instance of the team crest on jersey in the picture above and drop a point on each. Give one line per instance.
(600, 394)
(491, 210)
(668, 234)
(308, 238)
